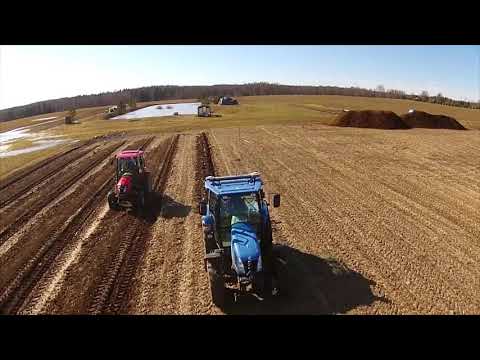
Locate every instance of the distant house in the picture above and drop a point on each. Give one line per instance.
(227, 100)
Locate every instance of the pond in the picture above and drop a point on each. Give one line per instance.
(40, 145)
(160, 111)
(39, 140)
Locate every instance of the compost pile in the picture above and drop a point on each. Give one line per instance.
(421, 119)
(370, 119)
(390, 120)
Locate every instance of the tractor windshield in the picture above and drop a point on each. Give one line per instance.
(127, 165)
(239, 208)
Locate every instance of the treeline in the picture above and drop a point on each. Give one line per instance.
(170, 92)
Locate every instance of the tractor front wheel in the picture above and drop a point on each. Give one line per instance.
(112, 201)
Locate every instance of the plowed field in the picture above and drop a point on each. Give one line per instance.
(371, 222)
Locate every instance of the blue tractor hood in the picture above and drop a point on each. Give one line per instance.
(245, 249)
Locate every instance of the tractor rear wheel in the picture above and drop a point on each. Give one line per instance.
(217, 286)
(262, 284)
(147, 191)
(141, 200)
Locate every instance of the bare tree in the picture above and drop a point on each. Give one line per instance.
(132, 103)
(380, 89)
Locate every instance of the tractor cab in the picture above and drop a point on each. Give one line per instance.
(132, 180)
(129, 162)
(237, 233)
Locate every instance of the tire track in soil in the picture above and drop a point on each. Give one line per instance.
(409, 229)
(221, 154)
(99, 242)
(172, 279)
(314, 169)
(183, 286)
(18, 289)
(15, 220)
(360, 230)
(15, 293)
(17, 249)
(195, 297)
(154, 285)
(40, 215)
(27, 171)
(111, 295)
(300, 231)
(24, 184)
(51, 286)
(308, 295)
(56, 186)
(205, 165)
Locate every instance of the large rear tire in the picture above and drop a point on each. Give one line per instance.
(269, 273)
(217, 286)
(141, 200)
(263, 285)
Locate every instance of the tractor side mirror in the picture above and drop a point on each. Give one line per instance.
(202, 208)
(276, 200)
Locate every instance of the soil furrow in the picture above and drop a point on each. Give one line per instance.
(17, 217)
(111, 296)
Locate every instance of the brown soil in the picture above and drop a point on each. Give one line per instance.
(171, 278)
(421, 119)
(399, 210)
(41, 224)
(370, 119)
(371, 222)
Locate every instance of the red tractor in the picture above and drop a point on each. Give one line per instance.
(132, 181)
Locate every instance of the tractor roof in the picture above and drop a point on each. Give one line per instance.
(234, 184)
(129, 154)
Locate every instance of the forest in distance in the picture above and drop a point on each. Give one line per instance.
(170, 92)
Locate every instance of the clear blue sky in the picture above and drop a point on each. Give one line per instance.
(33, 73)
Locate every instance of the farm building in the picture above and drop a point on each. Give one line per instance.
(204, 111)
(227, 100)
(112, 109)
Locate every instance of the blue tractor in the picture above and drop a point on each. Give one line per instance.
(238, 237)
